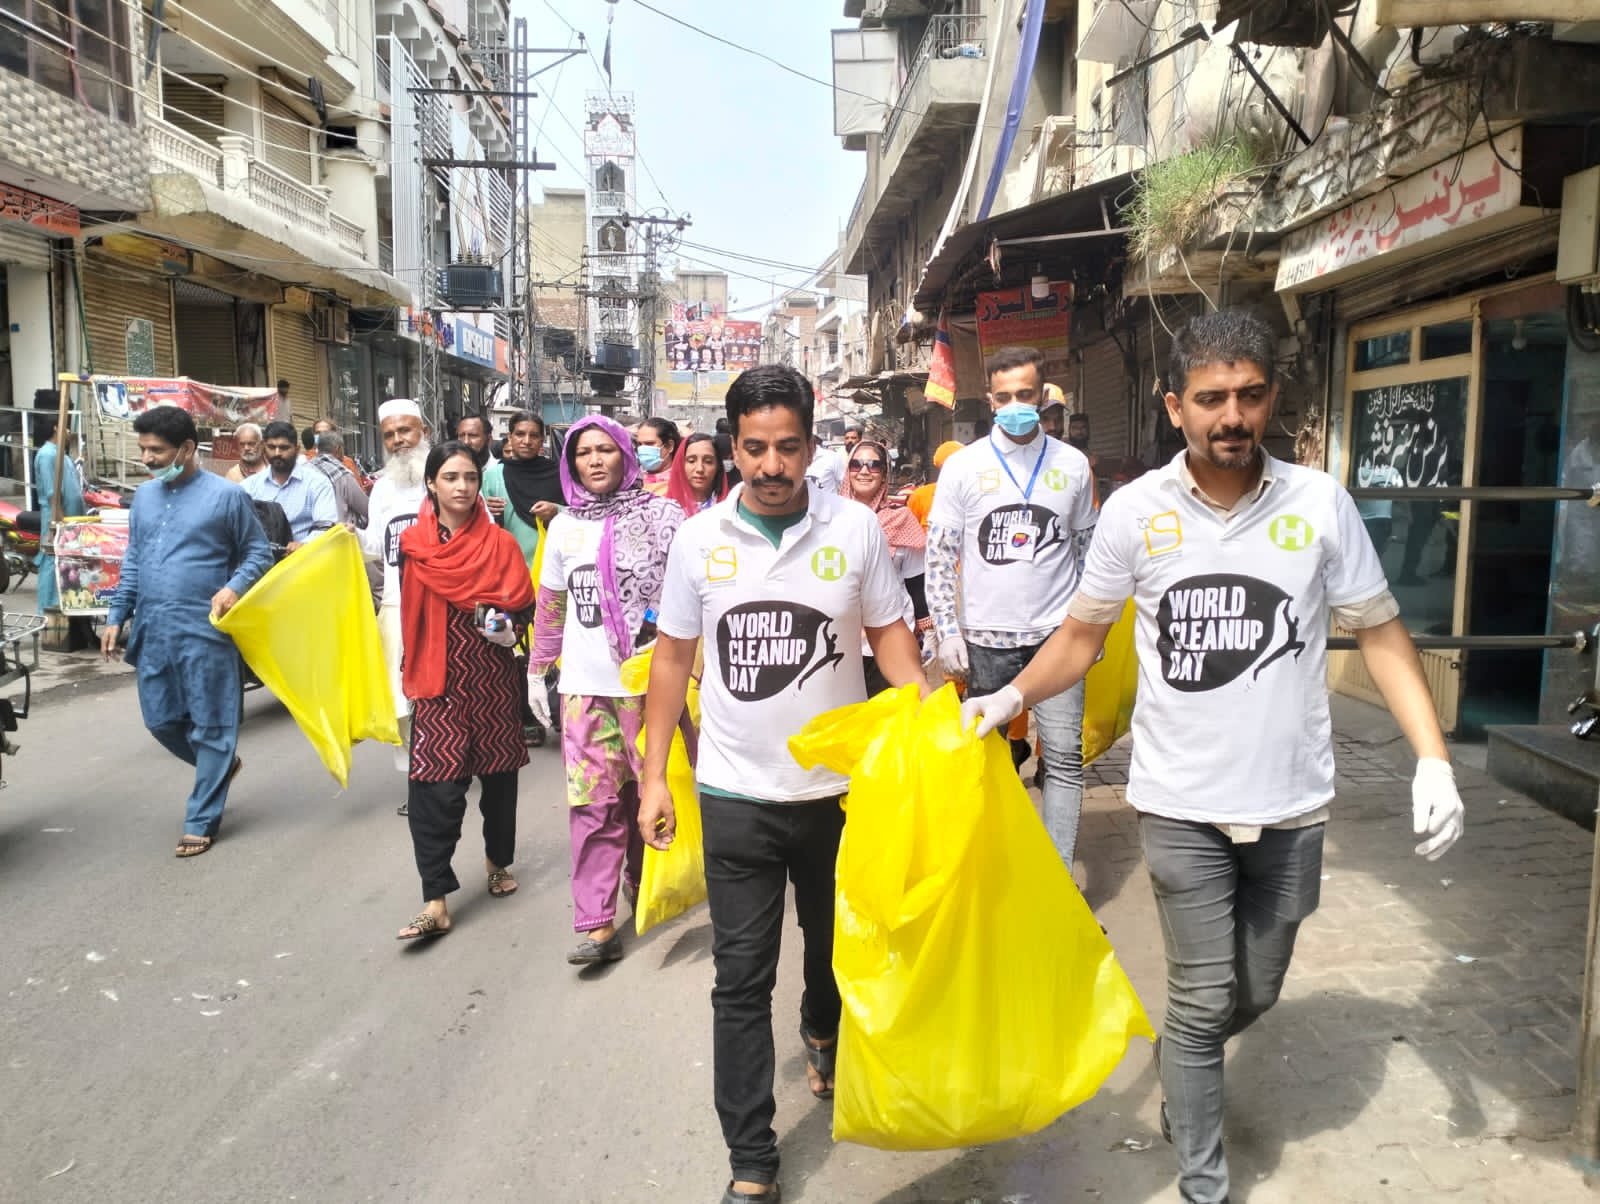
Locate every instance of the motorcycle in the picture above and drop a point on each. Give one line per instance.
(19, 543)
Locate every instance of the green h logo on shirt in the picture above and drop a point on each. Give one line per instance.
(1290, 532)
(828, 564)
(1055, 479)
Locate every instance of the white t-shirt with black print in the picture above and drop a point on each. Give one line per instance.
(782, 629)
(1025, 512)
(391, 511)
(1231, 723)
(571, 563)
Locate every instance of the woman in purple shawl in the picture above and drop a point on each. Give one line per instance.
(604, 564)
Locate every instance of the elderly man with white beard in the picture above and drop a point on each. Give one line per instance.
(396, 496)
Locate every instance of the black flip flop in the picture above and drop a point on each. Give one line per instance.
(822, 1061)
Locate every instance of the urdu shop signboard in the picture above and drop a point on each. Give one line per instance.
(1467, 196)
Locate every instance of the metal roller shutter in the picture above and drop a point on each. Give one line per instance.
(195, 109)
(113, 296)
(297, 358)
(288, 139)
(207, 341)
(1104, 398)
(21, 246)
(1424, 278)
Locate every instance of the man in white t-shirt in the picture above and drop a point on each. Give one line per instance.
(1015, 512)
(780, 580)
(396, 496)
(1235, 562)
(827, 467)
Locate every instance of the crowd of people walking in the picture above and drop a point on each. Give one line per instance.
(788, 580)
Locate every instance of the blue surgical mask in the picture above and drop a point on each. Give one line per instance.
(650, 457)
(1017, 418)
(170, 473)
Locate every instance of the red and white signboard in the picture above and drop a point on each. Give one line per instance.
(1458, 199)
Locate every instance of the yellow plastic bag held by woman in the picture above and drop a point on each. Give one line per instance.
(673, 881)
(981, 999)
(308, 631)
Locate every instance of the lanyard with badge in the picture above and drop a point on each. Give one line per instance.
(1021, 539)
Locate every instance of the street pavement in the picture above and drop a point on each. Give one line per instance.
(243, 1026)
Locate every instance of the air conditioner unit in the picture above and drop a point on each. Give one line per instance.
(331, 325)
(471, 285)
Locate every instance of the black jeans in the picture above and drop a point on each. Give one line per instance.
(435, 811)
(752, 851)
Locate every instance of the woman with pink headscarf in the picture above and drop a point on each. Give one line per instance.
(866, 480)
(604, 565)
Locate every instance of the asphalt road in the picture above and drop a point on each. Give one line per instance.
(243, 1026)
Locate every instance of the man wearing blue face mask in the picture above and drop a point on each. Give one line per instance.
(1007, 536)
(194, 546)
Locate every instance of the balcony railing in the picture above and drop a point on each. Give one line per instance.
(948, 37)
(231, 165)
(180, 151)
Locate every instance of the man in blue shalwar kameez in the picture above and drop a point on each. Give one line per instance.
(194, 546)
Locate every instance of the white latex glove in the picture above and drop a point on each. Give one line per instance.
(1436, 808)
(953, 656)
(539, 699)
(506, 637)
(992, 711)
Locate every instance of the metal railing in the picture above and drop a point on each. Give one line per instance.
(948, 37)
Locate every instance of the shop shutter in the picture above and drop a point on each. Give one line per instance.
(297, 358)
(193, 109)
(1424, 278)
(21, 246)
(288, 140)
(1105, 399)
(113, 296)
(207, 341)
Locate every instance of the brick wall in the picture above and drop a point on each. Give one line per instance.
(57, 137)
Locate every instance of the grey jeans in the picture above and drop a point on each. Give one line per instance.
(1059, 721)
(1229, 916)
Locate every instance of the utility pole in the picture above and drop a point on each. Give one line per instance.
(660, 234)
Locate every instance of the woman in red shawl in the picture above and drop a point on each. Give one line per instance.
(866, 480)
(465, 600)
(697, 481)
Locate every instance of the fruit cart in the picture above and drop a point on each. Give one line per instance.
(89, 556)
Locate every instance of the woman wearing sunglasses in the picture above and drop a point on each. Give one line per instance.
(866, 480)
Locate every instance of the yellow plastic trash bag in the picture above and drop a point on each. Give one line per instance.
(673, 881)
(981, 999)
(308, 631)
(1109, 689)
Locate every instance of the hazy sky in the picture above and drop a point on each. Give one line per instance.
(744, 148)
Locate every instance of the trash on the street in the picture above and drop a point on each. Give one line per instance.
(63, 1170)
(1133, 1145)
(1465, 959)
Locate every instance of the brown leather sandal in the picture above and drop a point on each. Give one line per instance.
(501, 883)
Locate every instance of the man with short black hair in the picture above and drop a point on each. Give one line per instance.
(1006, 538)
(852, 436)
(194, 546)
(780, 579)
(305, 494)
(1235, 561)
(473, 430)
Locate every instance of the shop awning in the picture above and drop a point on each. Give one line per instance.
(1055, 229)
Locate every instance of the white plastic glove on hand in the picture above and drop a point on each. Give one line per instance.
(539, 699)
(992, 711)
(506, 637)
(953, 656)
(1436, 807)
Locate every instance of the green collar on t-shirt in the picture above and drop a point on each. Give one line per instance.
(771, 525)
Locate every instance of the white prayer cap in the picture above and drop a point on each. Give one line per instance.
(399, 407)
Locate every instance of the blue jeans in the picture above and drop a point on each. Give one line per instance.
(1059, 721)
(211, 751)
(1229, 916)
